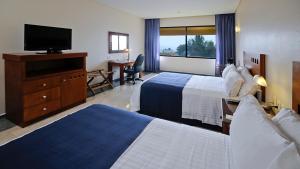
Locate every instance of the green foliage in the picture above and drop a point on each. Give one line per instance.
(198, 46)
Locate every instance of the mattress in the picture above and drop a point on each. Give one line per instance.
(174, 96)
(92, 138)
(168, 145)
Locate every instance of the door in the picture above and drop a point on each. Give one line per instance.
(73, 89)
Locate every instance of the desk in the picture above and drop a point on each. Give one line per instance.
(121, 65)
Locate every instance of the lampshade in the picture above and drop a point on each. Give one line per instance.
(260, 80)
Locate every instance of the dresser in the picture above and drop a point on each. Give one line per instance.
(40, 85)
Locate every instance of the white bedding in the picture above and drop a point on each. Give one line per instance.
(202, 99)
(168, 145)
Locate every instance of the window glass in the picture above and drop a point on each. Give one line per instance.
(122, 42)
(201, 46)
(115, 42)
(196, 41)
(172, 45)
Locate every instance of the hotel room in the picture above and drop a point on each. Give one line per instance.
(137, 84)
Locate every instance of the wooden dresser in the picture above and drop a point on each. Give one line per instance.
(39, 85)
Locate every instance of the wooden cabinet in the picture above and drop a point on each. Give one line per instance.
(229, 108)
(38, 85)
(70, 85)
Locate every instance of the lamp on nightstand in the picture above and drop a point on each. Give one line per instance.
(127, 51)
(261, 81)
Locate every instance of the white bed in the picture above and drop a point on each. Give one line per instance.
(169, 145)
(201, 99)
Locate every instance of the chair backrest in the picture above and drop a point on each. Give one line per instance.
(138, 64)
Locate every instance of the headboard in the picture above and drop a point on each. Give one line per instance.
(256, 63)
(296, 87)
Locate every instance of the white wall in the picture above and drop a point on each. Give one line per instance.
(272, 27)
(182, 64)
(89, 20)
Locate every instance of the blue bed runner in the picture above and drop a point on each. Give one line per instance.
(161, 96)
(92, 138)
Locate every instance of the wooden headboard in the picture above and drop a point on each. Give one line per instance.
(296, 86)
(256, 63)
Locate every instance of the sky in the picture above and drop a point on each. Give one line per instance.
(174, 41)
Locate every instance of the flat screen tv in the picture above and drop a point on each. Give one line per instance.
(51, 39)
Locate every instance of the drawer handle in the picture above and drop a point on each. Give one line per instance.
(64, 80)
(44, 97)
(44, 84)
(45, 108)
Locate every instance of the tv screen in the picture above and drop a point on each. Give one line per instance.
(52, 39)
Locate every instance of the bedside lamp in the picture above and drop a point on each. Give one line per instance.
(261, 81)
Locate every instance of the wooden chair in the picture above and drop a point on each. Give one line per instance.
(104, 83)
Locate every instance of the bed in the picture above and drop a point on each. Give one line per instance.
(99, 137)
(102, 137)
(185, 98)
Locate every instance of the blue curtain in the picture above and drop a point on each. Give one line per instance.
(152, 46)
(225, 33)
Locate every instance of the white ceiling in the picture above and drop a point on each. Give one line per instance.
(173, 8)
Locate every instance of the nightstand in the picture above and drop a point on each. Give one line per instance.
(270, 108)
(229, 108)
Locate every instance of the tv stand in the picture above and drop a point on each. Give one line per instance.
(37, 86)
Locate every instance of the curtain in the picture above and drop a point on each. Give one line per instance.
(152, 46)
(225, 35)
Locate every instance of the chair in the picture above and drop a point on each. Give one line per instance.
(136, 68)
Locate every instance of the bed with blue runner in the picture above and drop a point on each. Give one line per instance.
(92, 138)
(161, 96)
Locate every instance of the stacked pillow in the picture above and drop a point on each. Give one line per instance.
(227, 69)
(238, 81)
(256, 141)
(249, 86)
(288, 122)
(233, 81)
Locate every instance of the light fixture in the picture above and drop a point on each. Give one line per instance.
(261, 81)
(237, 29)
(127, 51)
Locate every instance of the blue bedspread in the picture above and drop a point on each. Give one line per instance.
(92, 138)
(161, 96)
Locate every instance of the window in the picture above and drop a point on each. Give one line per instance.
(196, 42)
(118, 42)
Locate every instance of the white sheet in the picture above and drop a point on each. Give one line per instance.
(202, 99)
(135, 97)
(168, 145)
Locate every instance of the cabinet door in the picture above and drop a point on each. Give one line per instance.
(73, 89)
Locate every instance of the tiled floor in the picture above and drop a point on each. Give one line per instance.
(118, 97)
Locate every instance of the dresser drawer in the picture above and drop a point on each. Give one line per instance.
(41, 84)
(40, 110)
(41, 97)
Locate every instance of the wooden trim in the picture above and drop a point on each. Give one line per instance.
(110, 34)
(296, 87)
(256, 63)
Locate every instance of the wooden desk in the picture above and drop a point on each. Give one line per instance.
(121, 65)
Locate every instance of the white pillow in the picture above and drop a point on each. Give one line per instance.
(283, 113)
(249, 86)
(288, 159)
(233, 82)
(254, 139)
(240, 68)
(227, 69)
(289, 123)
